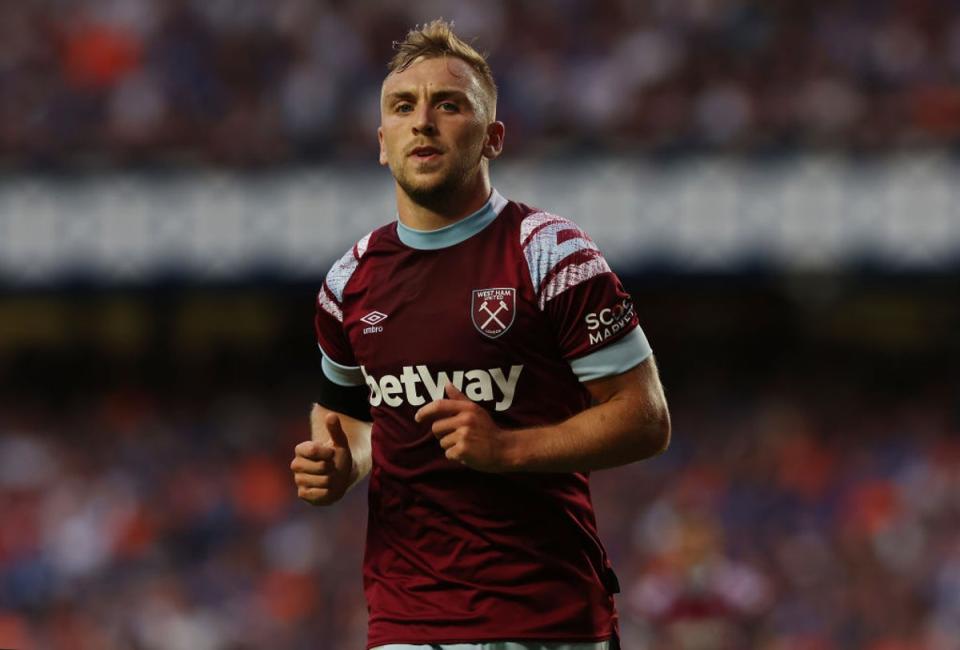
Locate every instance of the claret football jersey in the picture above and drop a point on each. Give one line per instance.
(518, 309)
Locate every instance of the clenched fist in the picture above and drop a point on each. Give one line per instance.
(323, 467)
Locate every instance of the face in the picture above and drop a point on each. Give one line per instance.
(434, 133)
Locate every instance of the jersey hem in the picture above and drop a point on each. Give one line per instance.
(510, 639)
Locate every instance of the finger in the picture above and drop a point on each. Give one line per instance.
(301, 464)
(454, 393)
(314, 496)
(313, 450)
(335, 431)
(441, 428)
(311, 481)
(450, 440)
(442, 408)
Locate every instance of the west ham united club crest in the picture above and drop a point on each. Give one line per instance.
(493, 310)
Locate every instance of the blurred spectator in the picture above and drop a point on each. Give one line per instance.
(144, 521)
(253, 84)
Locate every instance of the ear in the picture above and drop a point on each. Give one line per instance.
(493, 146)
(383, 149)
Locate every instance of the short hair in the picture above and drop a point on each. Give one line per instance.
(437, 39)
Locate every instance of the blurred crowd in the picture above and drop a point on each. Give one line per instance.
(252, 83)
(131, 520)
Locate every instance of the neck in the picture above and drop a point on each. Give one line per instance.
(445, 210)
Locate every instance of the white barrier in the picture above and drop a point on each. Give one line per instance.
(703, 215)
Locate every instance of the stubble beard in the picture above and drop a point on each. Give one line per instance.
(439, 194)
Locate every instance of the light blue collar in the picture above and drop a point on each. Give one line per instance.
(456, 232)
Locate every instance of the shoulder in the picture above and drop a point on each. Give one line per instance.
(330, 296)
(344, 268)
(559, 254)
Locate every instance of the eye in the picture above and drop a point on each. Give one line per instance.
(450, 107)
(403, 107)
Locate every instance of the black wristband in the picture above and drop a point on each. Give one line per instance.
(348, 400)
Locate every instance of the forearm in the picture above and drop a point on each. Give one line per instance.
(630, 425)
(604, 436)
(358, 434)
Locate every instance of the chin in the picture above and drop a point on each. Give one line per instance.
(427, 186)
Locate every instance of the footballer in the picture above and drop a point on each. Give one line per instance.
(479, 360)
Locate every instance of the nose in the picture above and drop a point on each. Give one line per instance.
(424, 124)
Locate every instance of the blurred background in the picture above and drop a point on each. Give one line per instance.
(775, 182)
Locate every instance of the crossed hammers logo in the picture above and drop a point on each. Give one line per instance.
(493, 314)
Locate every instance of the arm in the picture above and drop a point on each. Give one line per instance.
(338, 455)
(629, 422)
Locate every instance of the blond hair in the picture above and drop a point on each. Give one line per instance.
(437, 39)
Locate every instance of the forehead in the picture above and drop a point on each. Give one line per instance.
(447, 72)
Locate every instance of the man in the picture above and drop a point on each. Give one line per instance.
(500, 361)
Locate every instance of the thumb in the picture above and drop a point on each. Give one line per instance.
(454, 393)
(335, 429)
(324, 425)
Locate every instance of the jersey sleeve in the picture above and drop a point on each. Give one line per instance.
(339, 364)
(594, 318)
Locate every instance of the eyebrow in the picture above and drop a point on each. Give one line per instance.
(435, 96)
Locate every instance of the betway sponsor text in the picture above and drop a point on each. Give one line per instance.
(491, 385)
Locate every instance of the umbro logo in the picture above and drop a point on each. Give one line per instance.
(373, 319)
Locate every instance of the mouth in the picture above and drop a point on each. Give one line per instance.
(425, 153)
